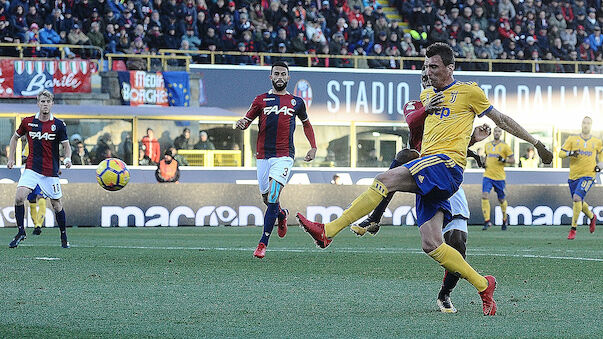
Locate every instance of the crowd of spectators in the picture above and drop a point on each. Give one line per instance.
(476, 29)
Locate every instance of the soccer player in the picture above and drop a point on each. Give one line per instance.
(583, 151)
(276, 111)
(436, 175)
(455, 233)
(498, 154)
(37, 209)
(44, 133)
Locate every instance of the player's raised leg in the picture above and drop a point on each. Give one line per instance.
(20, 197)
(393, 180)
(371, 223)
(458, 240)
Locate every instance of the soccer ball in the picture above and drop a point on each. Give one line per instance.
(112, 174)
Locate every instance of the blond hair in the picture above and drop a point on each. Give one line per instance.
(46, 93)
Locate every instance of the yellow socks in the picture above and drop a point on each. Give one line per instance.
(577, 209)
(503, 207)
(33, 211)
(586, 211)
(453, 261)
(39, 221)
(360, 207)
(486, 209)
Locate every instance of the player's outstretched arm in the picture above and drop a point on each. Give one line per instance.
(309, 132)
(11, 152)
(508, 124)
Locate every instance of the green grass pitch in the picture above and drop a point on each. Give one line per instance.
(204, 282)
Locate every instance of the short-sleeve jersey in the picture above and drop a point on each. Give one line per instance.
(584, 164)
(43, 139)
(495, 169)
(276, 115)
(448, 131)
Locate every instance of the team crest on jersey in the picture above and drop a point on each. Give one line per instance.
(453, 96)
(53, 128)
(303, 90)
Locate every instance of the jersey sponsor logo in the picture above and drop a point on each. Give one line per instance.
(443, 113)
(276, 110)
(42, 136)
(268, 99)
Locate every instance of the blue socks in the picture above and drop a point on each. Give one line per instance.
(20, 216)
(60, 216)
(269, 219)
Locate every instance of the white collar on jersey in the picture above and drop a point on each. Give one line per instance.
(38, 116)
(271, 92)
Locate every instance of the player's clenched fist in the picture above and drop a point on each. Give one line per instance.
(10, 164)
(310, 155)
(544, 153)
(242, 123)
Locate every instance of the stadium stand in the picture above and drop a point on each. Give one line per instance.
(502, 30)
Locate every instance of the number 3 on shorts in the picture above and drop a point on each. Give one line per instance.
(286, 172)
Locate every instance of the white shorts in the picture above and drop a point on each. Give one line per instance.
(50, 186)
(278, 169)
(460, 212)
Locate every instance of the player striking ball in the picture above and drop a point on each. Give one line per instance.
(439, 172)
(455, 233)
(583, 151)
(276, 111)
(44, 134)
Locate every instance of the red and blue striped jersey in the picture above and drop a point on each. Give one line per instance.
(276, 115)
(43, 139)
(414, 113)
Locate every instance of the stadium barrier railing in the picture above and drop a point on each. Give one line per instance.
(489, 65)
(212, 158)
(37, 51)
(166, 62)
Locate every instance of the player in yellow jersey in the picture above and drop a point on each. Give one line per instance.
(498, 154)
(583, 151)
(437, 175)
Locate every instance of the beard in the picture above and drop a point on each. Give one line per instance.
(279, 87)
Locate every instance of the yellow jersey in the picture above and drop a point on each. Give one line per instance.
(495, 169)
(584, 164)
(448, 131)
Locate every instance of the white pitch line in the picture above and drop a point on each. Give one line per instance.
(46, 258)
(340, 250)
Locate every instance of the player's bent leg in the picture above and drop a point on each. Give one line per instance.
(590, 215)
(360, 207)
(503, 207)
(271, 215)
(20, 197)
(486, 210)
(59, 212)
(458, 240)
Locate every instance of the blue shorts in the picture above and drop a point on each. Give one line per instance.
(31, 197)
(438, 178)
(580, 186)
(498, 185)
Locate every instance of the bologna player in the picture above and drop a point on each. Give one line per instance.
(455, 233)
(498, 154)
(44, 133)
(583, 151)
(276, 111)
(437, 175)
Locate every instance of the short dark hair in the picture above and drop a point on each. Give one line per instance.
(280, 64)
(443, 50)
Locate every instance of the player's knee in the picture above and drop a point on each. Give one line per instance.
(57, 205)
(577, 198)
(458, 240)
(484, 195)
(265, 198)
(501, 200)
(275, 192)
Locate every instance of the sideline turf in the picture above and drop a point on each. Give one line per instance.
(204, 282)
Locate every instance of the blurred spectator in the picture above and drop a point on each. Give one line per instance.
(193, 41)
(529, 159)
(204, 143)
(81, 156)
(104, 147)
(336, 180)
(96, 38)
(4, 154)
(151, 146)
(595, 40)
(137, 48)
(181, 160)
(167, 169)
